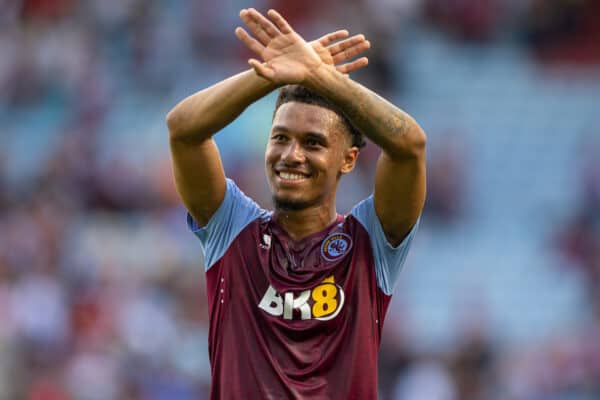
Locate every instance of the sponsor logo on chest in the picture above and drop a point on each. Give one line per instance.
(323, 302)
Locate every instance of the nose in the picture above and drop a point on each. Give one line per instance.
(293, 153)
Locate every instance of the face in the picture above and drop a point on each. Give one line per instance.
(307, 152)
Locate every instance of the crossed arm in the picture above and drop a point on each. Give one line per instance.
(199, 175)
(285, 59)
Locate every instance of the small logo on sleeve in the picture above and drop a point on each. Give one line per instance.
(266, 242)
(335, 246)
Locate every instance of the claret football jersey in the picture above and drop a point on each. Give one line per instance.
(295, 319)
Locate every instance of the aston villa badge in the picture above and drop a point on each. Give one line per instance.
(335, 246)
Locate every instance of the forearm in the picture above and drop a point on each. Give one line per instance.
(392, 129)
(204, 113)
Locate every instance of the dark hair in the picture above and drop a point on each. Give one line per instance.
(303, 95)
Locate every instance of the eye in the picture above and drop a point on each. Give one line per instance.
(278, 137)
(314, 143)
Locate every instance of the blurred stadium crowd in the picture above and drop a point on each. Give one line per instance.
(101, 286)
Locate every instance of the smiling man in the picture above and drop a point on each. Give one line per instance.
(297, 297)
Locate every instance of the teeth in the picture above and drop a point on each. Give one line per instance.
(289, 176)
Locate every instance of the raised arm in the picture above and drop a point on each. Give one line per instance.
(198, 170)
(400, 175)
(400, 181)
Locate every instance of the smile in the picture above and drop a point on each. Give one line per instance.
(291, 176)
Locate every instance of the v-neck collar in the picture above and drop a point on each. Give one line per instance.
(299, 244)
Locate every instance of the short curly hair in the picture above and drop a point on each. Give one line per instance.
(303, 95)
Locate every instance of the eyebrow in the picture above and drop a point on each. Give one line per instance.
(311, 134)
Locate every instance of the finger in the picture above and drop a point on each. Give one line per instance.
(262, 36)
(248, 40)
(353, 66)
(350, 52)
(281, 23)
(264, 23)
(344, 44)
(326, 40)
(261, 69)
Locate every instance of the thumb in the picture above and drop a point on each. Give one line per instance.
(261, 69)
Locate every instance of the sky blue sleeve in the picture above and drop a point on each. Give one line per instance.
(388, 259)
(235, 212)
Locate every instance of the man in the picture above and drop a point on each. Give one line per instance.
(297, 297)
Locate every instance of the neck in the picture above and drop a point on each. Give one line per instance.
(301, 223)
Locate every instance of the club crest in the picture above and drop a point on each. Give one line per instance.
(335, 246)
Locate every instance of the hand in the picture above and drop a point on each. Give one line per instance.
(334, 54)
(287, 57)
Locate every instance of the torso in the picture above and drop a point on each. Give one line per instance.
(295, 320)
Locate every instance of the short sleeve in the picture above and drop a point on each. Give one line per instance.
(235, 212)
(388, 259)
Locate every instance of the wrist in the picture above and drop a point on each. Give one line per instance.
(263, 83)
(319, 76)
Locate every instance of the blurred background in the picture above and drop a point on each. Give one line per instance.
(101, 286)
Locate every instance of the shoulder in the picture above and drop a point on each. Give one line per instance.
(364, 212)
(388, 258)
(235, 213)
(235, 205)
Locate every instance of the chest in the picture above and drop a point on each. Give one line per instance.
(320, 279)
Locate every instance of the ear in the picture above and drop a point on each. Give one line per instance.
(350, 157)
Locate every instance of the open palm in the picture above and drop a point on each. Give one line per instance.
(287, 57)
